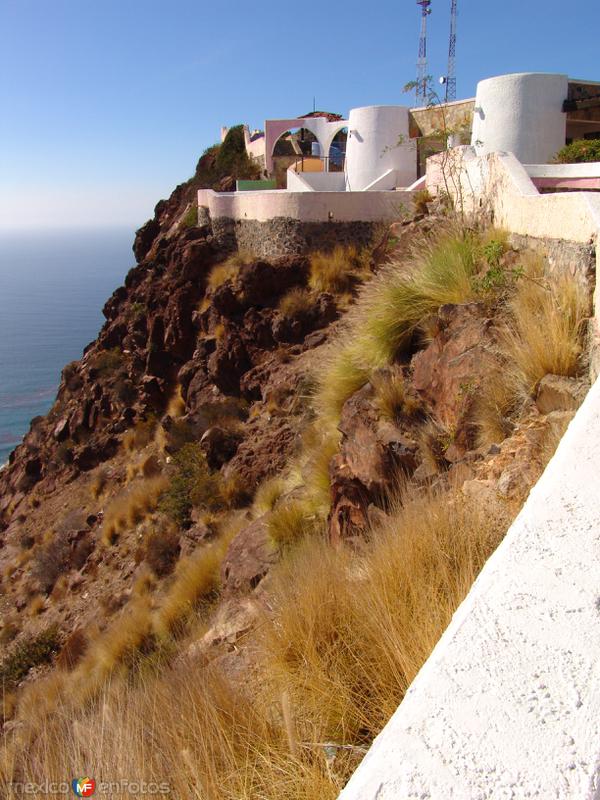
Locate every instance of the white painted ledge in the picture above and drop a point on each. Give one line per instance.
(508, 704)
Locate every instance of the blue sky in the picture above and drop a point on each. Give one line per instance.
(107, 104)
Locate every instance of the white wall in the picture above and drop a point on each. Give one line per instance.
(373, 148)
(508, 704)
(306, 206)
(315, 181)
(522, 114)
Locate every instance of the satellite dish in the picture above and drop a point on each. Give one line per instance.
(443, 80)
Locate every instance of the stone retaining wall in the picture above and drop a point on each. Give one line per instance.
(286, 236)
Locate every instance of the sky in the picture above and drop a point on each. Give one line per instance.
(105, 105)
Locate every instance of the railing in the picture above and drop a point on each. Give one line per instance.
(335, 163)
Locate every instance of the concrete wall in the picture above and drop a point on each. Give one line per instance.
(522, 114)
(315, 181)
(306, 206)
(508, 704)
(456, 116)
(565, 176)
(378, 141)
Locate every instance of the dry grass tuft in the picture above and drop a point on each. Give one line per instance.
(439, 271)
(195, 584)
(132, 506)
(297, 302)
(546, 327)
(339, 271)
(389, 311)
(98, 482)
(228, 270)
(176, 405)
(292, 520)
(544, 333)
(392, 398)
(340, 374)
(36, 605)
(267, 495)
(116, 648)
(494, 408)
(140, 435)
(191, 731)
(347, 640)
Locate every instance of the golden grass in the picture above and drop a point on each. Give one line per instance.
(98, 483)
(338, 271)
(546, 327)
(113, 649)
(320, 445)
(544, 333)
(228, 269)
(390, 309)
(296, 302)
(191, 731)
(267, 495)
(132, 506)
(36, 605)
(140, 435)
(439, 271)
(222, 273)
(196, 582)
(176, 405)
(495, 406)
(391, 396)
(293, 519)
(347, 640)
(340, 375)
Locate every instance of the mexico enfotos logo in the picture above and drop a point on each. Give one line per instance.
(88, 787)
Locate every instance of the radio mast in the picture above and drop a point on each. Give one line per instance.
(421, 89)
(451, 76)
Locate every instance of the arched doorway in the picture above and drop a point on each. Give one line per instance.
(298, 148)
(337, 151)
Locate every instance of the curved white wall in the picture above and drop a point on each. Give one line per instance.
(522, 114)
(373, 149)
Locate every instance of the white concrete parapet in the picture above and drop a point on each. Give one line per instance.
(508, 704)
(306, 206)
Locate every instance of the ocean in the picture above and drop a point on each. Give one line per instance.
(53, 285)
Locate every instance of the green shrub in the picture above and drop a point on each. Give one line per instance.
(578, 152)
(190, 220)
(108, 361)
(191, 484)
(30, 653)
(232, 158)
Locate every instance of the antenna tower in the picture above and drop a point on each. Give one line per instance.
(421, 89)
(451, 77)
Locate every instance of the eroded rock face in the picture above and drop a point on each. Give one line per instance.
(249, 557)
(450, 371)
(557, 393)
(374, 453)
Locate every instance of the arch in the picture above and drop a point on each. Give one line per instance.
(295, 141)
(336, 155)
(323, 131)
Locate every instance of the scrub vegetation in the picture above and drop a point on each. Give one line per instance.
(342, 627)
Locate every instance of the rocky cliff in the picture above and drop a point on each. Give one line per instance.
(225, 410)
